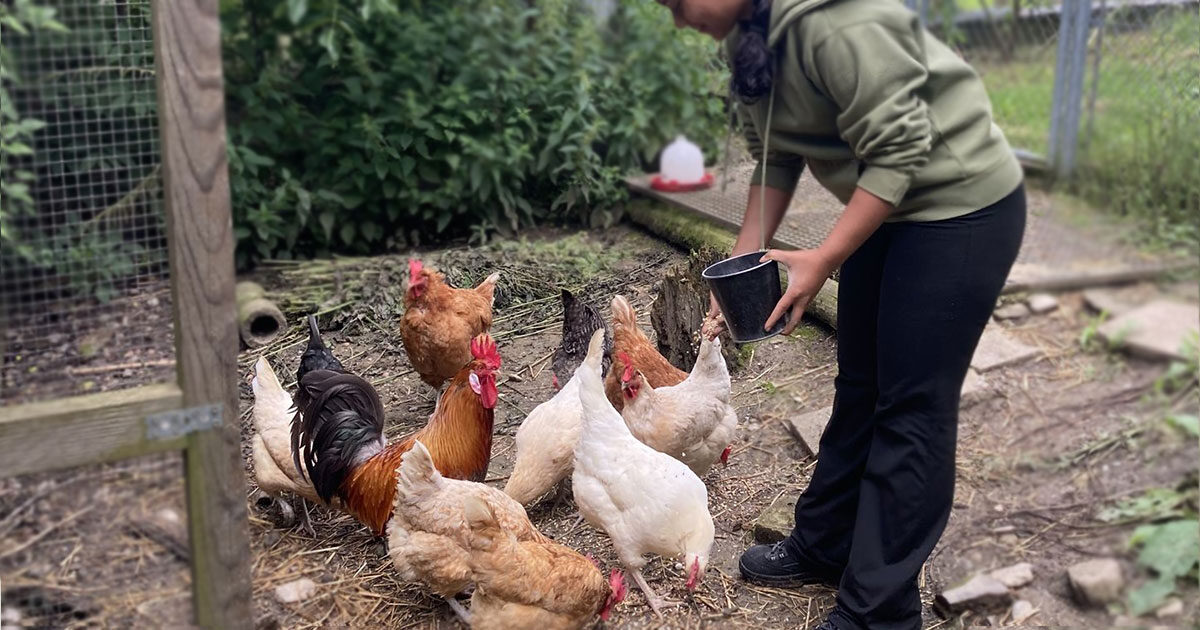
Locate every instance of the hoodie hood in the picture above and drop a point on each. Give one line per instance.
(784, 13)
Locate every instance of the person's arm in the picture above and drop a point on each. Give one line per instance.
(809, 268)
(874, 73)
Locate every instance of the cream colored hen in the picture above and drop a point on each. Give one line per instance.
(428, 534)
(692, 421)
(533, 584)
(270, 446)
(647, 501)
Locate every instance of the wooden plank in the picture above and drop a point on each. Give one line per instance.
(83, 430)
(191, 98)
(1079, 280)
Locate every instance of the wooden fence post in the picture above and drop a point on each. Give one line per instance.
(191, 99)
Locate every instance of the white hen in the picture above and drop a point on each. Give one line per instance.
(270, 446)
(647, 501)
(546, 445)
(692, 421)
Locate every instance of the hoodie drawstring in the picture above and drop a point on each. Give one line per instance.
(762, 189)
(762, 199)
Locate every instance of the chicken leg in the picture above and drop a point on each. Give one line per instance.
(459, 610)
(656, 603)
(305, 520)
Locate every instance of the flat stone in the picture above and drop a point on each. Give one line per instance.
(1173, 608)
(980, 593)
(775, 523)
(1016, 576)
(1042, 303)
(1096, 582)
(1119, 300)
(1016, 310)
(1158, 330)
(975, 390)
(1021, 611)
(997, 348)
(295, 591)
(808, 427)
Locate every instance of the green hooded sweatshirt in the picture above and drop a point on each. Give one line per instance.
(866, 97)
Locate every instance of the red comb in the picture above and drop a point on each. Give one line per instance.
(628, 374)
(484, 349)
(414, 268)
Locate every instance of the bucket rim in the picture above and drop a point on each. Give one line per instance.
(710, 276)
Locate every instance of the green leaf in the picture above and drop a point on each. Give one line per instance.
(371, 231)
(327, 219)
(296, 10)
(16, 148)
(1150, 596)
(443, 221)
(1185, 422)
(347, 233)
(1169, 549)
(328, 41)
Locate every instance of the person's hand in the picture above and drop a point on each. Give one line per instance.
(714, 322)
(807, 270)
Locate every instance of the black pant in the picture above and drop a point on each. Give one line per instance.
(912, 304)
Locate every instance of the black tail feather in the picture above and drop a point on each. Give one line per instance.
(337, 415)
(316, 356)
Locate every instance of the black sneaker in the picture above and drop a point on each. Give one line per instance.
(775, 565)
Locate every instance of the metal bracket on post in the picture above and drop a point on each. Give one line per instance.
(180, 422)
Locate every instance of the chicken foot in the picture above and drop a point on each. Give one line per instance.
(305, 520)
(656, 603)
(459, 610)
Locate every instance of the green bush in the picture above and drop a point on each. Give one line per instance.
(359, 125)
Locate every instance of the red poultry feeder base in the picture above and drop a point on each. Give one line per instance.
(671, 185)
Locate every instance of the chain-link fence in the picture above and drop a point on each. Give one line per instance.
(1108, 91)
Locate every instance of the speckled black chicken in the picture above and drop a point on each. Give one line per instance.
(580, 320)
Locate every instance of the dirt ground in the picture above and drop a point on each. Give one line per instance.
(1057, 439)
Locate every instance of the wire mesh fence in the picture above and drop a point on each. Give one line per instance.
(102, 546)
(1107, 90)
(84, 300)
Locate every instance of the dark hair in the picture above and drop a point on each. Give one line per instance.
(753, 61)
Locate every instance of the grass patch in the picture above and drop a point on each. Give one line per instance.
(1143, 154)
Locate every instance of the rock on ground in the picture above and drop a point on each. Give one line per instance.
(1173, 608)
(775, 523)
(997, 348)
(1096, 582)
(980, 593)
(975, 389)
(295, 591)
(1016, 576)
(1158, 330)
(1042, 303)
(1016, 310)
(1021, 611)
(808, 427)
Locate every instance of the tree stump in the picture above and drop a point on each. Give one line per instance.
(680, 308)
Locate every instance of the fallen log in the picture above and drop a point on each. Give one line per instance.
(259, 320)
